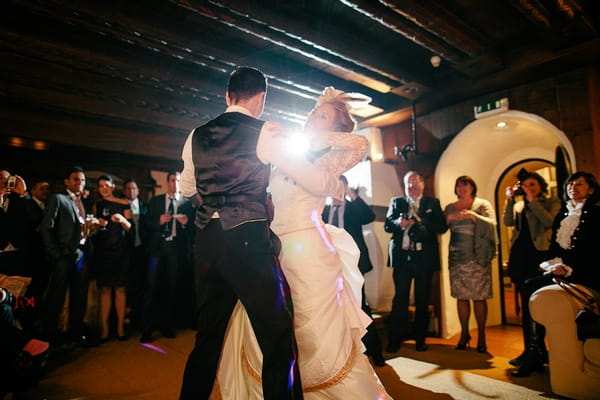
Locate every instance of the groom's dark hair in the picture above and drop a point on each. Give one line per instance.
(245, 82)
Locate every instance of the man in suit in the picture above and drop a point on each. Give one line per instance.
(351, 214)
(36, 263)
(415, 221)
(13, 224)
(166, 233)
(138, 265)
(226, 171)
(64, 244)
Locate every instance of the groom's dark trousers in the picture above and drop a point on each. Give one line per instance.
(241, 263)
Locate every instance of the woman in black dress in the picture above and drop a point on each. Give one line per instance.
(111, 254)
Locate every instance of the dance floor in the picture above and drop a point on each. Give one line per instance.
(130, 370)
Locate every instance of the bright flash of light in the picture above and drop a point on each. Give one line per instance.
(297, 144)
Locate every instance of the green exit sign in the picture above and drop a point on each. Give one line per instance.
(493, 107)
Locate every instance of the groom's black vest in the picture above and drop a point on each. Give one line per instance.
(229, 176)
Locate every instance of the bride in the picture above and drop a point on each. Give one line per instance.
(321, 266)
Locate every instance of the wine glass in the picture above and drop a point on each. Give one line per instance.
(105, 214)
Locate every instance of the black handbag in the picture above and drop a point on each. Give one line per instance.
(588, 317)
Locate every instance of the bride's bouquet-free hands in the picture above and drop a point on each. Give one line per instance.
(556, 266)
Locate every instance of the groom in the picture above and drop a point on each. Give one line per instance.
(226, 172)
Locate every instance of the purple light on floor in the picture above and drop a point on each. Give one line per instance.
(154, 347)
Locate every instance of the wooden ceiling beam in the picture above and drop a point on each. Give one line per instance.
(123, 41)
(440, 22)
(435, 28)
(383, 15)
(293, 37)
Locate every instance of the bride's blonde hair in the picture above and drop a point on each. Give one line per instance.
(342, 102)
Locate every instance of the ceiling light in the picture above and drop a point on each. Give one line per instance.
(366, 111)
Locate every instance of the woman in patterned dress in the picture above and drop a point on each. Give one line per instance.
(472, 225)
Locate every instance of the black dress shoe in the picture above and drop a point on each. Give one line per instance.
(378, 360)
(421, 347)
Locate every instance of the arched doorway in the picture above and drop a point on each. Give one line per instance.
(509, 301)
(485, 150)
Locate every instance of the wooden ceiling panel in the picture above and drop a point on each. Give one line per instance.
(158, 68)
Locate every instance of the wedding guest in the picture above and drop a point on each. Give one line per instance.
(111, 255)
(531, 219)
(65, 246)
(574, 242)
(13, 223)
(138, 258)
(472, 224)
(36, 263)
(415, 222)
(167, 233)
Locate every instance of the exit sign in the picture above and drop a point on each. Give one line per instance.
(493, 107)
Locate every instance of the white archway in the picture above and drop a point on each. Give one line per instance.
(484, 150)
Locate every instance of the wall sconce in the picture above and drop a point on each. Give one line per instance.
(435, 61)
(403, 152)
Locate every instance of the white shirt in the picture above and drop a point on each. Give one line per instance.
(339, 209)
(134, 205)
(413, 210)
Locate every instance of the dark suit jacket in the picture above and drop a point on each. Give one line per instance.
(424, 232)
(60, 227)
(584, 245)
(356, 214)
(13, 223)
(33, 214)
(152, 230)
(143, 211)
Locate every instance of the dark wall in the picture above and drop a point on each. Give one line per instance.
(569, 101)
(51, 162)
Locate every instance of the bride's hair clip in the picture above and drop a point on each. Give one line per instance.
(349, 100)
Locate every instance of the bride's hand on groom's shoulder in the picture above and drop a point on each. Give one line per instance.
(273, 129)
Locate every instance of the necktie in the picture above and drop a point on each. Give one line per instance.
(335, 220)
(170, 210)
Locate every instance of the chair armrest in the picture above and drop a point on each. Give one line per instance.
(570, 374)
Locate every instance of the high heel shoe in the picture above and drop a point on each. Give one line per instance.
(481, 348)
(463, 344)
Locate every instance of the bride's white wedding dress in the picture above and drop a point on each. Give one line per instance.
(321, 266)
